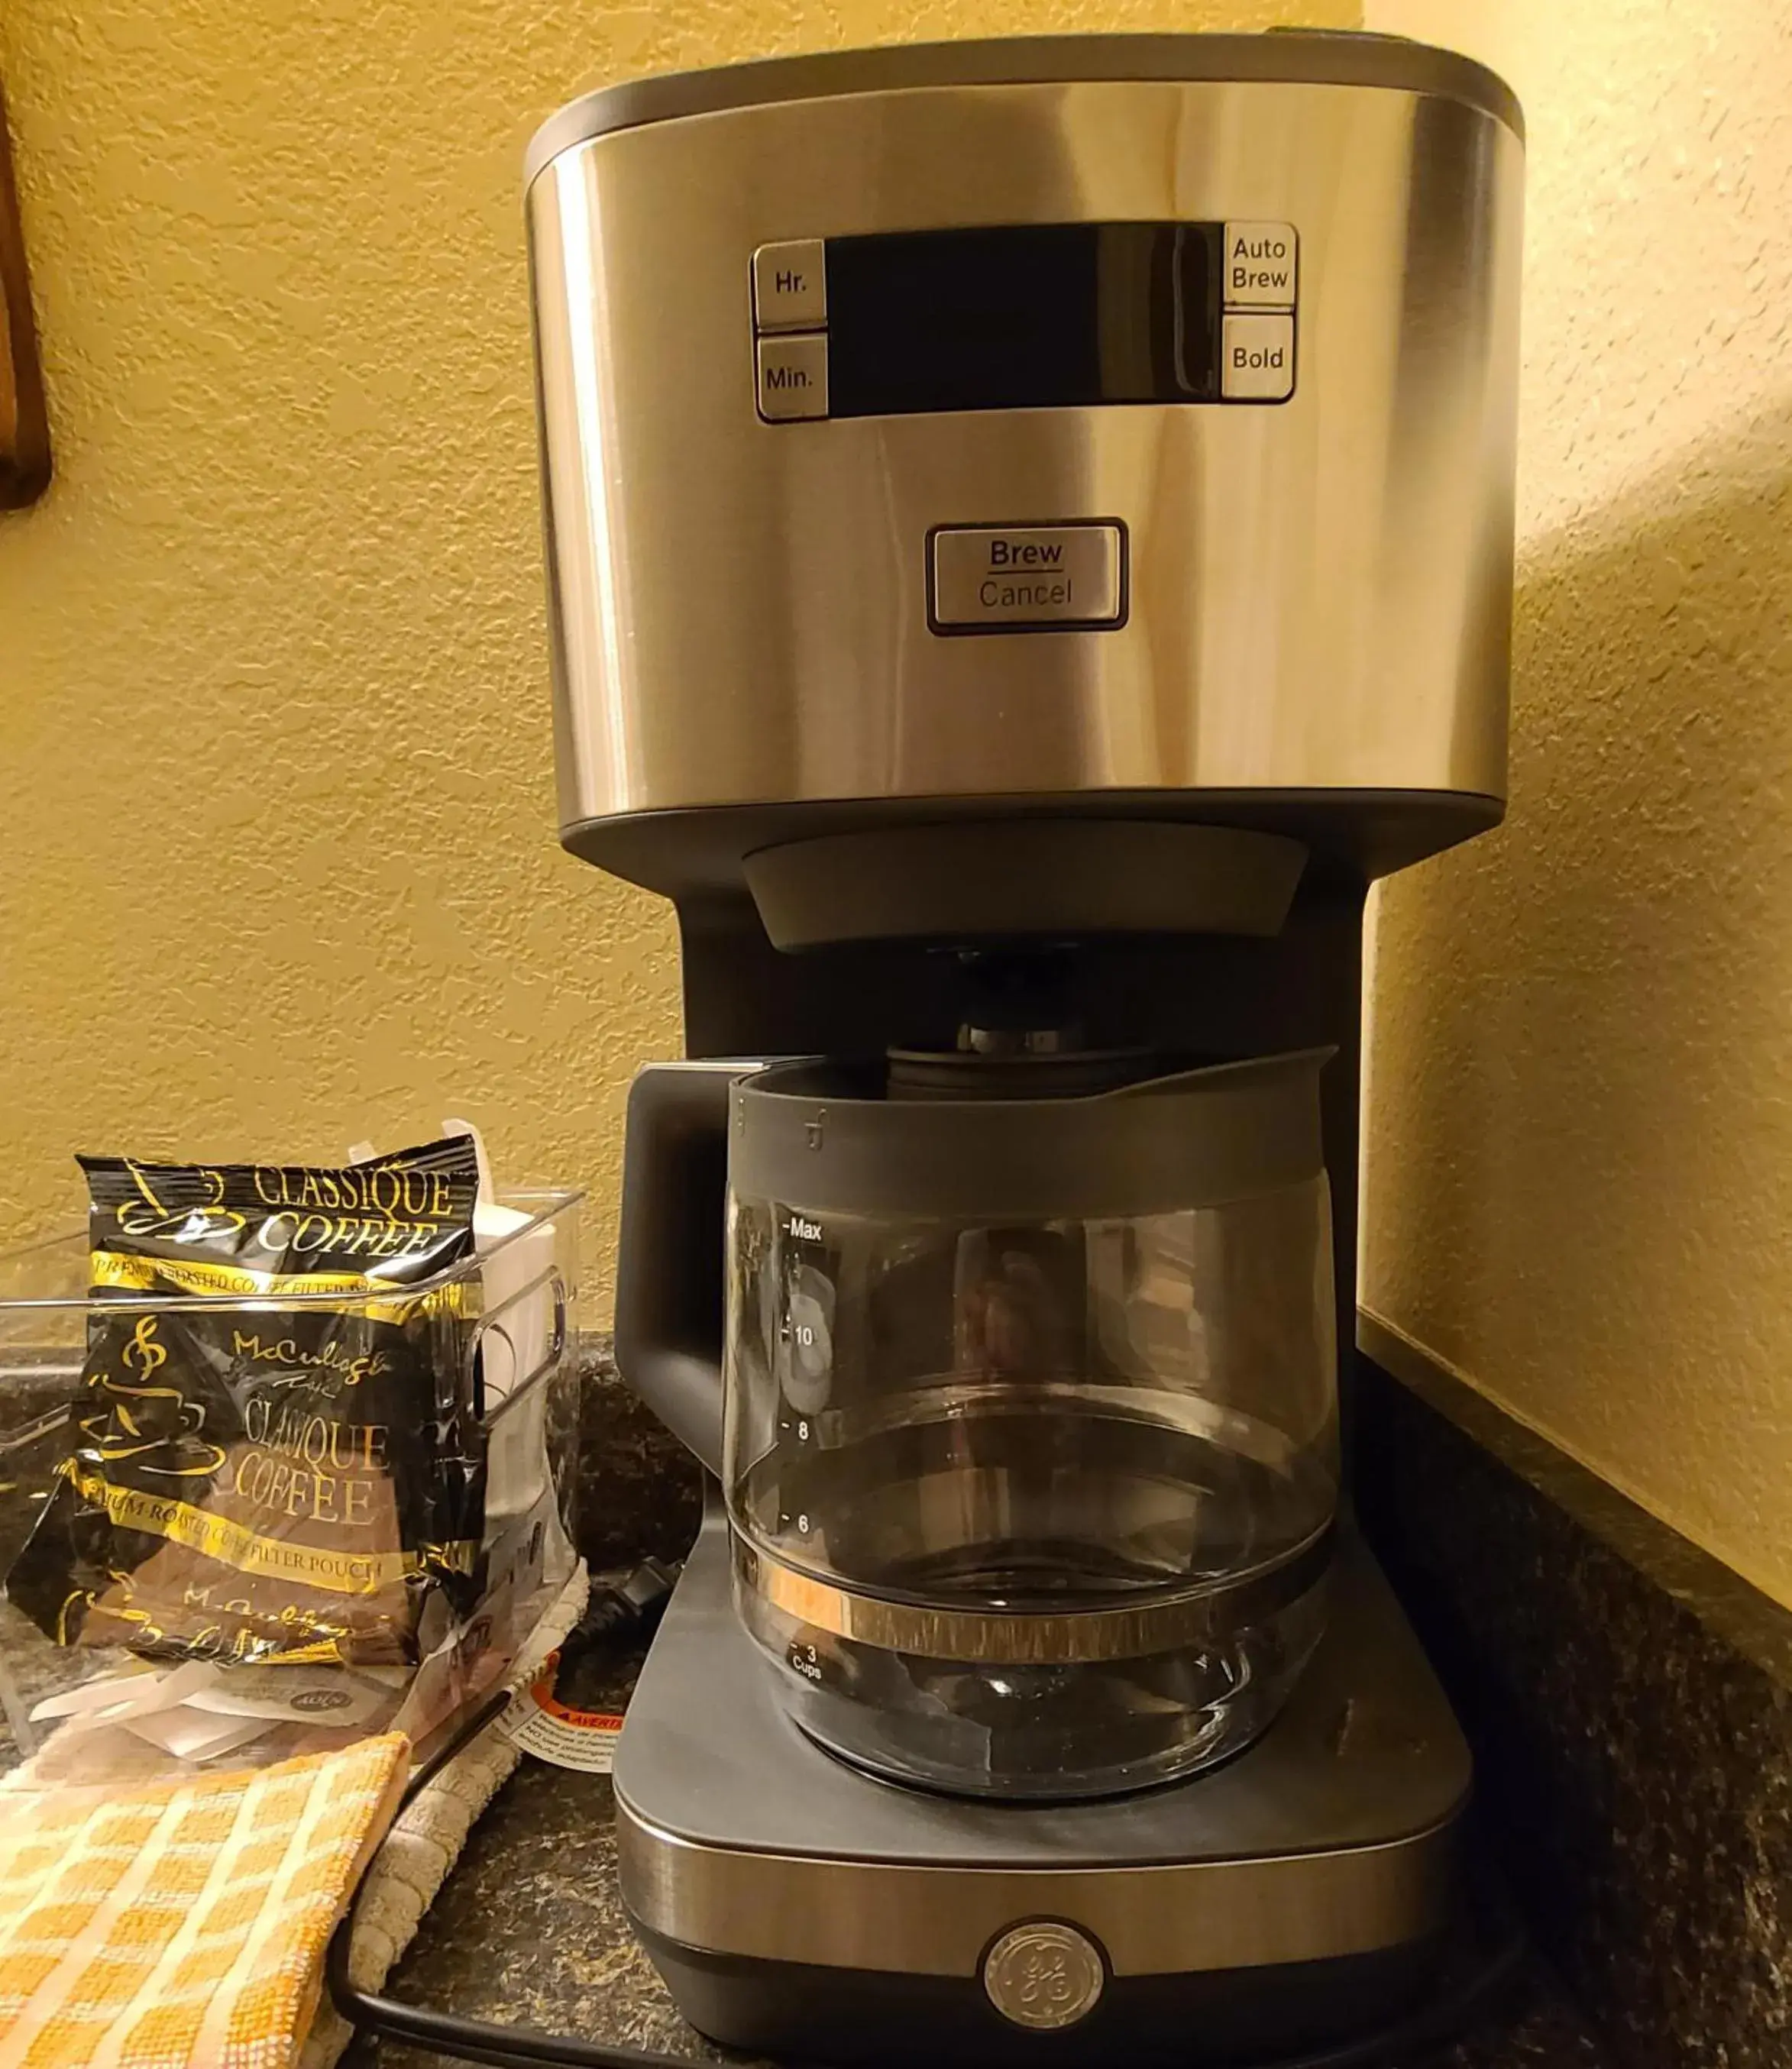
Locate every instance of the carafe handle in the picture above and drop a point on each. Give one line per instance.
(669, 1247)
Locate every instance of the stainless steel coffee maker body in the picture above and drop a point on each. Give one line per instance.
(1211, 342)
(1029, 535)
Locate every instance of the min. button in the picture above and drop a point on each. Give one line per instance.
(793, 378)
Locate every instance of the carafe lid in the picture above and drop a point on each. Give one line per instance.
(844, 1138)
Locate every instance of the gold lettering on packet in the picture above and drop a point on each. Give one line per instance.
(125, 1272)
(271, 1481)
(285, 1350)
(359, 1236)
(233, 1544)
(346, 1292)
(310, 1467)
(393, 1192)
(319, 1439)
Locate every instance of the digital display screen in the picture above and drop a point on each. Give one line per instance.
(1034, 316)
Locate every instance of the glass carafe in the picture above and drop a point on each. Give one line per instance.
(1031, 1433)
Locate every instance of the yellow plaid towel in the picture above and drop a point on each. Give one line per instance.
(183, 1926)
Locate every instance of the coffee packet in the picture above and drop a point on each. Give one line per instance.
(287, 1475)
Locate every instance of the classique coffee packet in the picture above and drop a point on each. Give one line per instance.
(289, 1475)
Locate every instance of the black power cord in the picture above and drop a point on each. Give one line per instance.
(620, 1612)
(611, 1612)
(614, 1612)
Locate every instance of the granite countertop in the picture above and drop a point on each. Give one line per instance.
(528, 1930)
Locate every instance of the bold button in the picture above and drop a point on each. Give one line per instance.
(1262, 259)
(1002, 578)
(793, 378)
(1256, 358)
(790, 285)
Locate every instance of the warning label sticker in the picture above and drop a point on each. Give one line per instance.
(539, 1723)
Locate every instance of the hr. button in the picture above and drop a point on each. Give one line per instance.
(790, 285)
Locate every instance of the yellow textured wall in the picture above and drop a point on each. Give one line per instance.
(1580, 1180)
(277, 867)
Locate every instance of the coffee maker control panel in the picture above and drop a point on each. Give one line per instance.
(1025, 316)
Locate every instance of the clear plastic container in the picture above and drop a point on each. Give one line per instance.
(1038, 1506)
(502, 1348)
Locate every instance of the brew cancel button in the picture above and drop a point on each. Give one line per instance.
(1027, 578)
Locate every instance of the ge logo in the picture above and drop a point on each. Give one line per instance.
(310, 1700)
(1043, 1975)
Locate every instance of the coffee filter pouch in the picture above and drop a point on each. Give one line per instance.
(285, 1470)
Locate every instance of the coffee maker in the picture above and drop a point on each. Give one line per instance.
(1029, 531)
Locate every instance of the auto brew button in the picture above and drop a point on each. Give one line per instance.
(995, 578)
(1261, 262)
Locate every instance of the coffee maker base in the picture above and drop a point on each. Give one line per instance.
(800, 2013)
(1305, 1891)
